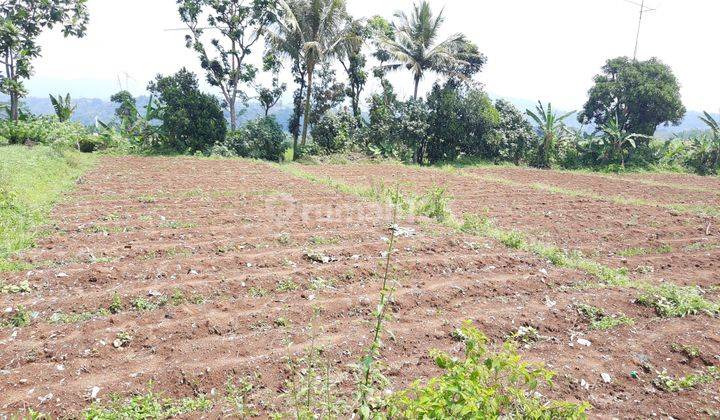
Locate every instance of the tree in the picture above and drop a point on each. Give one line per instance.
(414, 47)
(328, 93)
(240, 24)
(262, 138)
(288, 44)
(127, 108)
(133, 125)
(319, 27)
(353, 62)
(191, 120)
(550, 127)
(462, 121)
(380, 30)
(63, 107)
(706, 153)
(642, 94)
(515, 134)
(21, 23)
(269, 96)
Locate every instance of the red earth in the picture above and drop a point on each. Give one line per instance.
(232, 258)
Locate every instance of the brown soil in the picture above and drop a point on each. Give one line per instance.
(711, 183)
(687, 191)
(227, 229)
(675, 246)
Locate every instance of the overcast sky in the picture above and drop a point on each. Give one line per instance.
(537, 49)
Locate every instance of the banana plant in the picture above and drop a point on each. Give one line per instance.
(707, 148)
(63, 107)
(139, 129)
(618, 140)
(550, 126)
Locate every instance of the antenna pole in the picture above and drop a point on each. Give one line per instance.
(643, 9)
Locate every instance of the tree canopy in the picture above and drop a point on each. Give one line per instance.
(239, 24)
(21, 23)
(415, 46)
(640, 94)
(191, 120)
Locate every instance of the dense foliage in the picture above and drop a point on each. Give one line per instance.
(328, 52)
(258, 139)
(192, 121)
(640, 94)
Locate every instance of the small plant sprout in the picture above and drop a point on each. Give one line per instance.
(116, 305)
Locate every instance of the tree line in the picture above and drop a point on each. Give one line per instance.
(326, 51)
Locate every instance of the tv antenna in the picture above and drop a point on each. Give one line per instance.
(643, 10)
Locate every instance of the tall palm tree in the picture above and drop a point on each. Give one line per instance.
(550, 127)
(319, 28)
(414, 46)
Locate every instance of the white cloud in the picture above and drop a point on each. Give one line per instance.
(537, 49)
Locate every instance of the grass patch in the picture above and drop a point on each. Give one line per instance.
(638, 251)
(601, 321)
(483, 226)
(670, 383)
(148, 406)
(32, 180)
(670, 300)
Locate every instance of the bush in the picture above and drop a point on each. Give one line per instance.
(48, 130)
(484, 385)
(262, 138)
(334, 132)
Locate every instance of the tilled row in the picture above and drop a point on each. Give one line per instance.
(653, 244)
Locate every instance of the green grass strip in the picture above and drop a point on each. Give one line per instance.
(32, 180)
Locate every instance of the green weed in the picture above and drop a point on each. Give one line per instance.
(669, 383)
(286, 285)
(670, 300)
(22, 287)
(691, 352)
(485, 385)
(116, 305)
(147, 406)
(638, 251)
(599, 320)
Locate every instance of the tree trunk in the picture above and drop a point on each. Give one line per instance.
(14, 106)
(417, 83)
(308, 95)
(233, 115)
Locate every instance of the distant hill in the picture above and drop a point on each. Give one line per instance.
(90, 109)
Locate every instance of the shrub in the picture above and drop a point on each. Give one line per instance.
(334, 132)
(262, 138)
(484, 385)
(48, 130)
